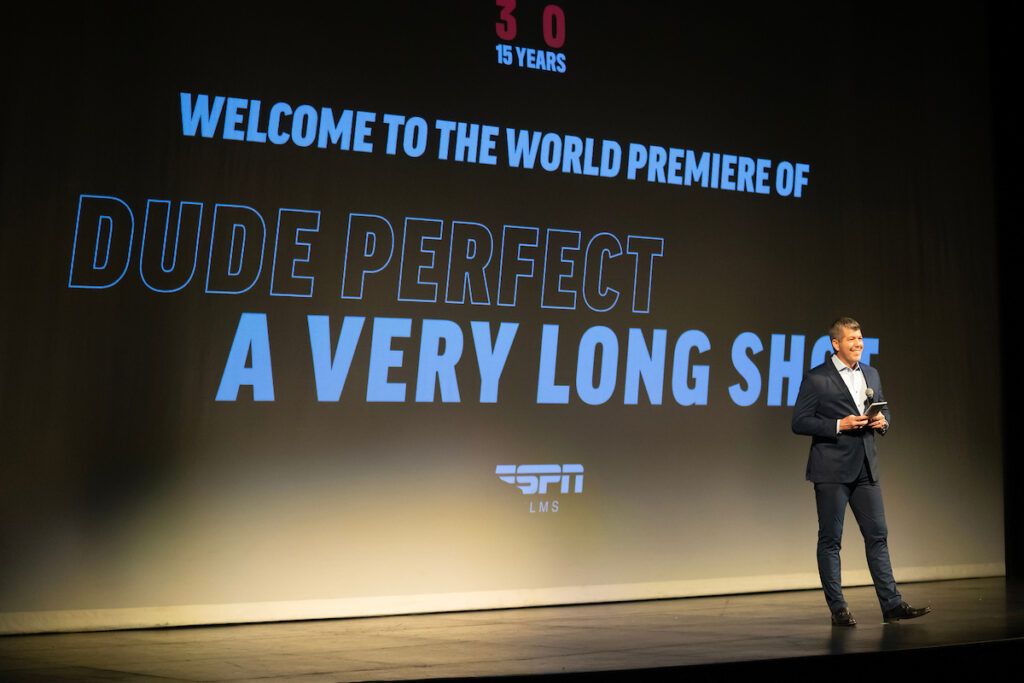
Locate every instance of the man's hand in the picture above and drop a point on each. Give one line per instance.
(878, 422)
(854, 422)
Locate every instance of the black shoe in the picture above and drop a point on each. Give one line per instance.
(904, 611)
(843, 618)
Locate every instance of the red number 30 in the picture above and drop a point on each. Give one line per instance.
(553, 23)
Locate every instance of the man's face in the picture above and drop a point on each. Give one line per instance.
(849, 346)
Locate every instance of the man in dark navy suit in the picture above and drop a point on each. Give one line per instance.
(843, 464)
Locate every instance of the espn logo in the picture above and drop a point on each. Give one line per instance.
(535, 479)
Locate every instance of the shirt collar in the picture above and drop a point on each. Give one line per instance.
(840, 365)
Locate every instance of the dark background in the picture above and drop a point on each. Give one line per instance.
(902, 115)
(1007, 147)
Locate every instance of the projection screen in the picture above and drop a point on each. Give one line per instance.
(444, 306)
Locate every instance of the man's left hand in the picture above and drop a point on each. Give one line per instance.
(878, 422)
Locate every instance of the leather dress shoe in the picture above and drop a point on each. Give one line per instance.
(843, 618)
(904, 611)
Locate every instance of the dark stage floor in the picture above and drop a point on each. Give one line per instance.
(717, 636)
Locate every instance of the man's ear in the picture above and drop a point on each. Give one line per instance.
(835, 345)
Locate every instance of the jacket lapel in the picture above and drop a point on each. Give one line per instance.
(837, 380)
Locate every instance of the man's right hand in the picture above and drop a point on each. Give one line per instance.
(853, 422)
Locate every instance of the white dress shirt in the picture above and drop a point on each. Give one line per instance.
(854, 378)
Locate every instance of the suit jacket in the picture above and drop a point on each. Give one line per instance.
(823, 399)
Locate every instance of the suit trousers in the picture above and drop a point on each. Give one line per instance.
(865, 497)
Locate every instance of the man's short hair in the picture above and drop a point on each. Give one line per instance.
(836, 331)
